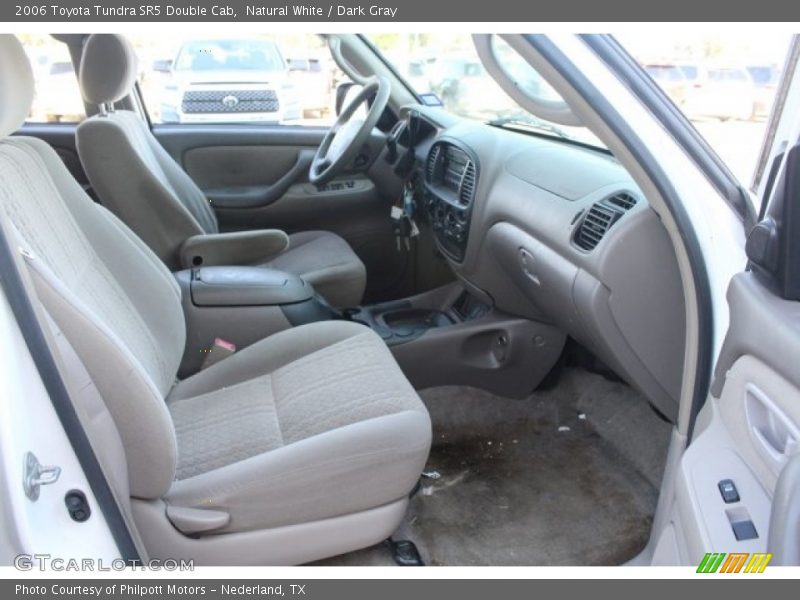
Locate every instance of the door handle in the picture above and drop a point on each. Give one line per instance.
(774, 434)
(779, 450)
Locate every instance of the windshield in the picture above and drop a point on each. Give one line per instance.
(229, 55)
(448, 66)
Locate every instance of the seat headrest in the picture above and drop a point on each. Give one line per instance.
(16, 85)
(108, 68)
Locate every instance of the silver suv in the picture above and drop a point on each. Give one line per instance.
(229, 80)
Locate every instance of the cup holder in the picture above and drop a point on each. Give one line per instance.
(416, 318)
(398, 322)
(412, 320)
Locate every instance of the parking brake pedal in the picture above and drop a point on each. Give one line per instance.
(405, 553)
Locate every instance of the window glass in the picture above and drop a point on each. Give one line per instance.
(57, 98)
(284, 79)
(229, 55)
(728, 89)
(448, 65)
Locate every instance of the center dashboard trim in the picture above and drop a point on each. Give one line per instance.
(449, 215)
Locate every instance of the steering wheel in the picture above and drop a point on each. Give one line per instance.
(349, 133)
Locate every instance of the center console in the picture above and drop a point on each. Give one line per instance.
(403, 321)
(446, 336)
(242, 305)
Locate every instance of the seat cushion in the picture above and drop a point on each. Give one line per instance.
(314, 422)
(328, 263)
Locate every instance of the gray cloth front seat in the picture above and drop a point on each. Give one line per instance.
(301, 446)
(140, 182)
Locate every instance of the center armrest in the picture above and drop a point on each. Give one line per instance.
(246, 286)
(236, 248)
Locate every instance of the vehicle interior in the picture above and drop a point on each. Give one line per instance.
(409, 337)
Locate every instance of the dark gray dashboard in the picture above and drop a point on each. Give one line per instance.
(560, 233)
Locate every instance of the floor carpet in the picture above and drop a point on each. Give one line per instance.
(567, 476)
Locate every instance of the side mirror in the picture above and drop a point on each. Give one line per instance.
(344, 92)
(771, 247)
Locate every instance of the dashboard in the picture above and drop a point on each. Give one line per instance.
(556, 232)
(451, 172)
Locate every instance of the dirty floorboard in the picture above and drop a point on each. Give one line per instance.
(567, 476)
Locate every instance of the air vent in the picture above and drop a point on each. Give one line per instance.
(623, 201)
(467, 184)
(433, 157)
(594, 226)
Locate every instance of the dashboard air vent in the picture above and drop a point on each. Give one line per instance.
(594, 225)
(623, 201)
(430, 168)
(467, 184)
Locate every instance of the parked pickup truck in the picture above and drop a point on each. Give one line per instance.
(229, 80)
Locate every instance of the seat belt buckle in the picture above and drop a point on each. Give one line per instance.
(219, 350)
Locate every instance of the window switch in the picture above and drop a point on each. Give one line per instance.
(744, 530)
(728, 490)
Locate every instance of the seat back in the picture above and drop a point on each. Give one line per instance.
(115, 302)
(130, 171)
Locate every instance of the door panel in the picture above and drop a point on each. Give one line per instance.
(234, 166)
(256, 177)
(747, 432)
(245, 177)
(759, 377)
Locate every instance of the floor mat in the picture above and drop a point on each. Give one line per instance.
(565, 477)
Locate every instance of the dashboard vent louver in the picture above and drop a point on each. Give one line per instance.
(467, 184)
(430, 168)
(594, 226)
(623, 201)
(601, 216)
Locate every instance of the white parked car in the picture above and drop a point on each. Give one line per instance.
(229, 80)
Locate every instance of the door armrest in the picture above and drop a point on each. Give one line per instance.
(236, 248)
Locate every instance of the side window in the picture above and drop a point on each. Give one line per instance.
(728, 86)
(281, 79)
(58, 97)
